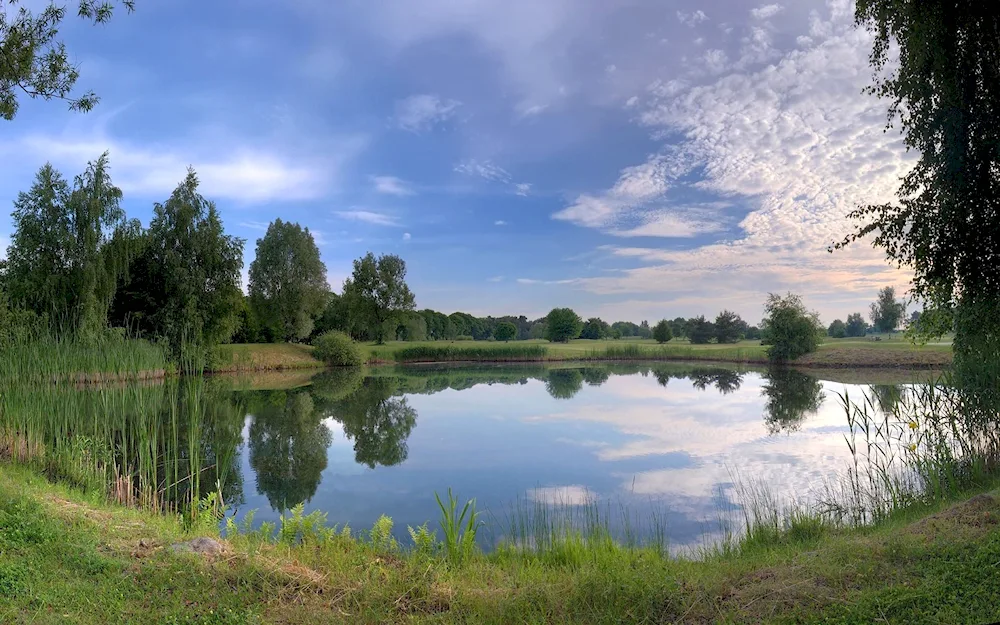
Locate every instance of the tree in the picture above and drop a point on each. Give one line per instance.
(70, 248)
(616, 333)
(662, 332)
(944, 90)
(564, 383)
(562, 324)
(644, 331)
(856, 325)
(791, 397)
(729, 327)
(505, 331)
(788, 328)
(333, 317)
(412, 327)
(194, 271)
(287, 281)
(34, 63)
(377, 293)
(837, 329)
(678, 327)
(378, 422)
(595, 328)
(887, 313)
(700, 331)
(538, 330)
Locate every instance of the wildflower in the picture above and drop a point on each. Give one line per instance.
(913, 446)
(913, 425)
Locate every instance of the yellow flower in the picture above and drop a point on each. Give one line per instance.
(913, 425)
(913, 446)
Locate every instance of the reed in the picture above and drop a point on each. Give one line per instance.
(471, 353)
(633, 351)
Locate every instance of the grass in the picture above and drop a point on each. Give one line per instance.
(110, 358)
(66, 557)
(458, 352)
(263, 357)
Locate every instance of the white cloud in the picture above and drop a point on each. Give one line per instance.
(575, 495)
(691, 19)
(406, 236)
(499, 222)
(495, 279)
(766, 11)
(391, 185)
(483, 169)
(368, 217)
(522, 188)
(244, 174)
(794, 140)
(529, 110)
(422, 112)
(532, 281)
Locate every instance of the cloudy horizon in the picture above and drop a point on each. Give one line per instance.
(626, 160)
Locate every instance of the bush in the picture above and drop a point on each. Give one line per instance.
(562, 324)
(464, 337)
(789, 329)
(662, 332)
(336, 349)
(837, 329)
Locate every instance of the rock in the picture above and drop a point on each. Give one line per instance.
(198, 545)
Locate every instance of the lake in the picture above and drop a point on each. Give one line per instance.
(654, 447)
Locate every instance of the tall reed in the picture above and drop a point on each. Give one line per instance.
(471, 353)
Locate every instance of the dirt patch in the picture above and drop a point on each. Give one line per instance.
(974, 517)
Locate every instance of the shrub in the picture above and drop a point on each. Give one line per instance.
(789, 328)
(336, 349)
(562, 324)
(662, 332)
(837, 329)
(700, 330)
(464, 337)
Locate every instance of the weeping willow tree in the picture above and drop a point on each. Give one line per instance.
(71, 246)
(944, 92)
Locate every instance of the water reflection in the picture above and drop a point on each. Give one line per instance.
(347, 441)
(288, 443)
(791, 397)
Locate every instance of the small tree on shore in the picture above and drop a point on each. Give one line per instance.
(837, 329)
(789, 328)
(562, 324)
(662, 332)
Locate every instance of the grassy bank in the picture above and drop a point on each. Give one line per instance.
(65, 557)
(263, 357)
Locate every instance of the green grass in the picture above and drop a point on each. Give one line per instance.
(264, 357)
(65, 557)
(109, 358)
(459, 352)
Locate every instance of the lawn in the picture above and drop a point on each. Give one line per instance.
(67, 558)
(894, 352)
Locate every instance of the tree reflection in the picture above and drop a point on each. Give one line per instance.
(596, 376)
(564, 383)
(288, 444)
(886, 396)
(791, 396)
(378, 422)
(726, 381)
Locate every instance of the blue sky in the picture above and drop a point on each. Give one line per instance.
(631, 159)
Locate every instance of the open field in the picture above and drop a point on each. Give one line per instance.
(840, 353)
(65, 557)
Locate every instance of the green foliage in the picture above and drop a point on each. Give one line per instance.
(662, 332)
(729, 327)
(425, 542)
(595, 329)
(287, 281)
(457, 353)
(791, 397)
(35, 62)
(333, 317)
(943, 90)
(70, 248)
(887, 313)
(336, 349)
(931, 324)
(538, 330)
(563, 383)
(194, 269)
(644, 331)
(376, 293)
(562, 324)
(412, 328)
(856, 325)
(377, 421)
(788, 328)
(700, 331)
(837, 329)
(381, 537)
(506, 331)
(459, 528)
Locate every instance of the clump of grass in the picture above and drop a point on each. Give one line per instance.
(471, 353)
(459, 528)
(632, 351)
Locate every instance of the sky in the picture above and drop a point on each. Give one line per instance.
(631, 159)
